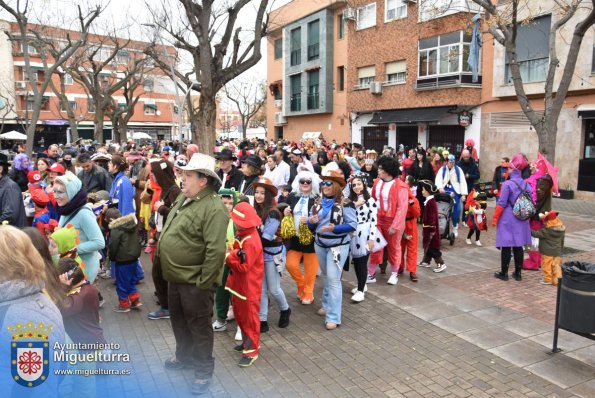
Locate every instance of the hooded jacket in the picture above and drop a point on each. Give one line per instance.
(551, 238)
(124, 245)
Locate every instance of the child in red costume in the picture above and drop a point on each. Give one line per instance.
(244, 282)
(475, 212)
(409, 241)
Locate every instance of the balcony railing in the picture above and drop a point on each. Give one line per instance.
(313, 101)
(296, 103)
(313, 51)
(296, 56)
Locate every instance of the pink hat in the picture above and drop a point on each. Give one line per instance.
(519, 162)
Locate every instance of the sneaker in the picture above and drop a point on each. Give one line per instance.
(331, 326)
(135, 305)
(264, 326)
(358, 296)
(105, 274)
(424, 264)
(354, 290)
(455, 231)
(239, 347)
(468, 241)
(371, 279)
(230, 315)
(119, 308)
(284, 318)
(321, 312)
(200, 386)
(307, 302)
(478, 243)
(440, 268)
(501, 276)
(544, 282)
(159, 314)
(394, 278)
(219, 326)
(247, 361)
(238, 336)
(101, 302)
(413, 276)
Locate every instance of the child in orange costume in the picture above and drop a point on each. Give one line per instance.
(244, 282)
(475, 213)
(409, 240)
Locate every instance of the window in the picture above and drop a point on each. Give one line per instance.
(278, 48)
(366, 16)
(71, 105)
(296, 93)
(148, 84)
(68, 79)
(445, 54)
(150, 109)
(394, 9)
(313, 40)
(90, 105)
(30, 49)
(396, 72)
(29, 104)
(431, 9)
(365, 76)
(277, 93)
(341, 25)
(532, 50)
(123, 57)
(341, 77)
(313, 93)
(45, 103)
(296, 46)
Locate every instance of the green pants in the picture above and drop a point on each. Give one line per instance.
(222, 297)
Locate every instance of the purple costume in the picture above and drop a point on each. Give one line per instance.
(512, 232)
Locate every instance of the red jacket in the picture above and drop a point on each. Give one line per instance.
(398, 201)
(245, 278)
(431, 226)
(413, 213)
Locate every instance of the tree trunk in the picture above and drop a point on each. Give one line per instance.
(74, 131)
(204, 136)
(32, 126)
(98, 131)
(546, 137)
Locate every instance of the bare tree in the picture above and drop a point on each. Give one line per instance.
(504, 22)
(8, 108)
(65, 104)
(120, 114)
(220, 51)
(248, 98)
(27, 36)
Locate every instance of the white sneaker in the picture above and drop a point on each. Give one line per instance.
(456, 232)
(394, 278)
(358, 297)
(424, 264)
(478, 243)
(219, 326)
(468, 241)
(440, 268)
(371, 279)
(354, 290)
(238, 336)
(230, 315)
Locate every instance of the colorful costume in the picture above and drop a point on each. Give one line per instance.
(551, 244)
(431, 232)
(67, 240)
(410, 237)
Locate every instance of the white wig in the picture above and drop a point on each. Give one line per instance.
(307, 174)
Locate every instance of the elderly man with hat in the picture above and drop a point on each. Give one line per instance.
(228, 173)
(191, 254)
(12, 209)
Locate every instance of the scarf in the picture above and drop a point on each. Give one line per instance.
(327, 205)
(78, 200)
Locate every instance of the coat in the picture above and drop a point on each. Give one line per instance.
(124, 244)
(430, 225)
(469, 168)
(551, 240)
(245, 278)
(97, 180)
(192, 245)
(12, 208)
(20, 177)
(512, 232)
(124, 192)
(233, 179)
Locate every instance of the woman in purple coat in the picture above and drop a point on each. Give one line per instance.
(512, 233)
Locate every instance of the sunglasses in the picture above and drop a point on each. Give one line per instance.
(326, 183)
(306, 182)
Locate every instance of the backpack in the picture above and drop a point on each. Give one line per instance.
(523, 208)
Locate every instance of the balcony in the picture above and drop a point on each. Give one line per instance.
(450, 81)
(313, 101)
(295, 103)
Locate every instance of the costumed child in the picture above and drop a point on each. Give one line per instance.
(410, 236)
(431, 228)
(124, 252)
(551, 243)
(67, 240)
(42, 216)
(224, 311)
(475, 211)
(244, 282)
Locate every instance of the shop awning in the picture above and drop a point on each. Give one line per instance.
(411, 115)
(152, 106)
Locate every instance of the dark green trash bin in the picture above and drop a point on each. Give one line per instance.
(577, 297)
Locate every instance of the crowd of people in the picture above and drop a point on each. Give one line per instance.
(221, 231)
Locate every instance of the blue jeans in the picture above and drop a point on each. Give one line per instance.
(332, 293)
(271, 282)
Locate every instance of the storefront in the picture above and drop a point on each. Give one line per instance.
(586, 168)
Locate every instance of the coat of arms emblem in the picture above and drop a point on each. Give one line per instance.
(29, 353)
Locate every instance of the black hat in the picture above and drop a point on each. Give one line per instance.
(252, 160)
(3, 159)
(225, 154)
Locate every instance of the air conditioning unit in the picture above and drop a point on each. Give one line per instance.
(278, 103)
(376, 87)
(279, 118)
(21, 84)
(350, 14)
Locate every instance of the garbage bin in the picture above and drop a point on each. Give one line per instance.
(577, 297)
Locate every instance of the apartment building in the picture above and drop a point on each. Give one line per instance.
(155, 113)
(307, 58)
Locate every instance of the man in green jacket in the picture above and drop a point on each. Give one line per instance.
(191, 252)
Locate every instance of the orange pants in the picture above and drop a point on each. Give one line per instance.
(410, 245)
(552, 269)
(304, 280)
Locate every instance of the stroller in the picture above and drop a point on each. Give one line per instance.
(445, 203)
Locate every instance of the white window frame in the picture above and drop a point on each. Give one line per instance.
(71, 103)
(68, 80)
(433, 9)
(30, 47)
(399, 5)
(396, 78)
(369, 11)
(448, 48)
(29, 105)
(365, 81)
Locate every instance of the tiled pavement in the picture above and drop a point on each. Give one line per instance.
(461, 333)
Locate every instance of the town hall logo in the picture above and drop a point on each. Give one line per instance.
(30, 353)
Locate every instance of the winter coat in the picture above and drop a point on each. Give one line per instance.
(12, 208)
(97, 180)
(424, 172)
(192, 246)
(80, 310)
(141, 180)
(469, 168)
(446, 178)
(245, 278)
(551, 240)
(20, 177)
(124, 245)
(512, 232)
(233, 179)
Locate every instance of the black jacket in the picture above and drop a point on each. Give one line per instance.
(233, 180)
(248, 188)
(425, 172)
(97, 180)
(124, 245)
(471, 169)
(20, 177)
(12, 208)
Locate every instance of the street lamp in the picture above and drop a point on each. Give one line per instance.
(173, 77)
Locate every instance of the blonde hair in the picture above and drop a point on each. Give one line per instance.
(19, 259)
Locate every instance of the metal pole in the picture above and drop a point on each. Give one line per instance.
(555, 348)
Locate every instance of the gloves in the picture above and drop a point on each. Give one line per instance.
(497, 214)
